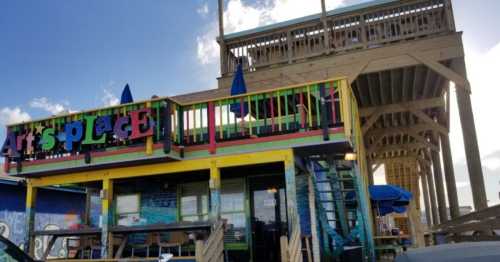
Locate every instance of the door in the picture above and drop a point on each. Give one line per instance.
(268, 216)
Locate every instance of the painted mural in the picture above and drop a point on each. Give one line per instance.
(48, 217)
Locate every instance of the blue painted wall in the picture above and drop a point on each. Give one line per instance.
(55, 209)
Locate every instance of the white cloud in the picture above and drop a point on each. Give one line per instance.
(12, 116)
(239, 16)
(109, 99)
(203, 9)
(45, 104)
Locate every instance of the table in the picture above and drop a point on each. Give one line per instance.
(392, 245)
(177, 226)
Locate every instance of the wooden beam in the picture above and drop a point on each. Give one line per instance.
(369, 123)
(402, 107)
(410, 131)
(441, 69)
(432, 124)
(398, 147)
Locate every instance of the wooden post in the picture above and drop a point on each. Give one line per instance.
(438, 179)
(88, 198)
(325, 27)
(198, 250)
(312, 213)
(107, 218)
(432, 194)
(449, 175)
(417, 234)
(369, 169)
(222, 44)
(291, 194)
(215, 198)
(29, 238)
(284, 249)
(470, 139)
(427, 201)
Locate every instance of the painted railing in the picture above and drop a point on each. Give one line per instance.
(320, 107)
(356, 29)
(47, 139)
(312, 106)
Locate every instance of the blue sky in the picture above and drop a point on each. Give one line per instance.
(72, 55)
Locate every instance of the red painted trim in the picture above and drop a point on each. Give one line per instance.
(177, 149)
(265, 139)
(93, 154)
(6, 165)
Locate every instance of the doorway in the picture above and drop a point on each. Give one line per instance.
(268, 216)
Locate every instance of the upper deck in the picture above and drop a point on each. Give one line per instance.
(358, 27)
(170, 129)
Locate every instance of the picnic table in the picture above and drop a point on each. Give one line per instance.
(122, 230)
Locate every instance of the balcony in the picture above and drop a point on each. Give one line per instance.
(166, 129)
(370, 25)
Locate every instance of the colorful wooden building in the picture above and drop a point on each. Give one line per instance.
(330, 98)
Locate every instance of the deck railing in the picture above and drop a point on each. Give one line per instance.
(321, 106)
(358, 29)
(281, 111)
(481, 225)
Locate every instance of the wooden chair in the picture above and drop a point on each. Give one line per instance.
(146, 245)
(176, 239)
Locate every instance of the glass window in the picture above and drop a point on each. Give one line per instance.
(233, 209)
(194, 201)
(128, 209)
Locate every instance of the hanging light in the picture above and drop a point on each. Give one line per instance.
(350, 156)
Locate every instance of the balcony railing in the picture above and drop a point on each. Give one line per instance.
(295, 109)
(366, 28)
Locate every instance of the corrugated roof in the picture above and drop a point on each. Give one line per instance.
(337, 11)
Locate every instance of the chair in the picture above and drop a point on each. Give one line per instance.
(176, 239)
(146, 245)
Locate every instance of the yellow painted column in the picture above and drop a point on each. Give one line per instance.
(107, 218)
(215, 187)
(29, 238)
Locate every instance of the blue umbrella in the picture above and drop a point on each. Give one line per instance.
(239, 88)
(126, 96)
(389, 198)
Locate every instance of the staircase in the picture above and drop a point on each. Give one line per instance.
(336, 205)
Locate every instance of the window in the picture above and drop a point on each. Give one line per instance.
(128, 209)
(194, 201)
(233, 209)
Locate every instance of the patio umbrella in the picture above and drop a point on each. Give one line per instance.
(389, 198)
(238, 87)
(126, 96)
(459, 252)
